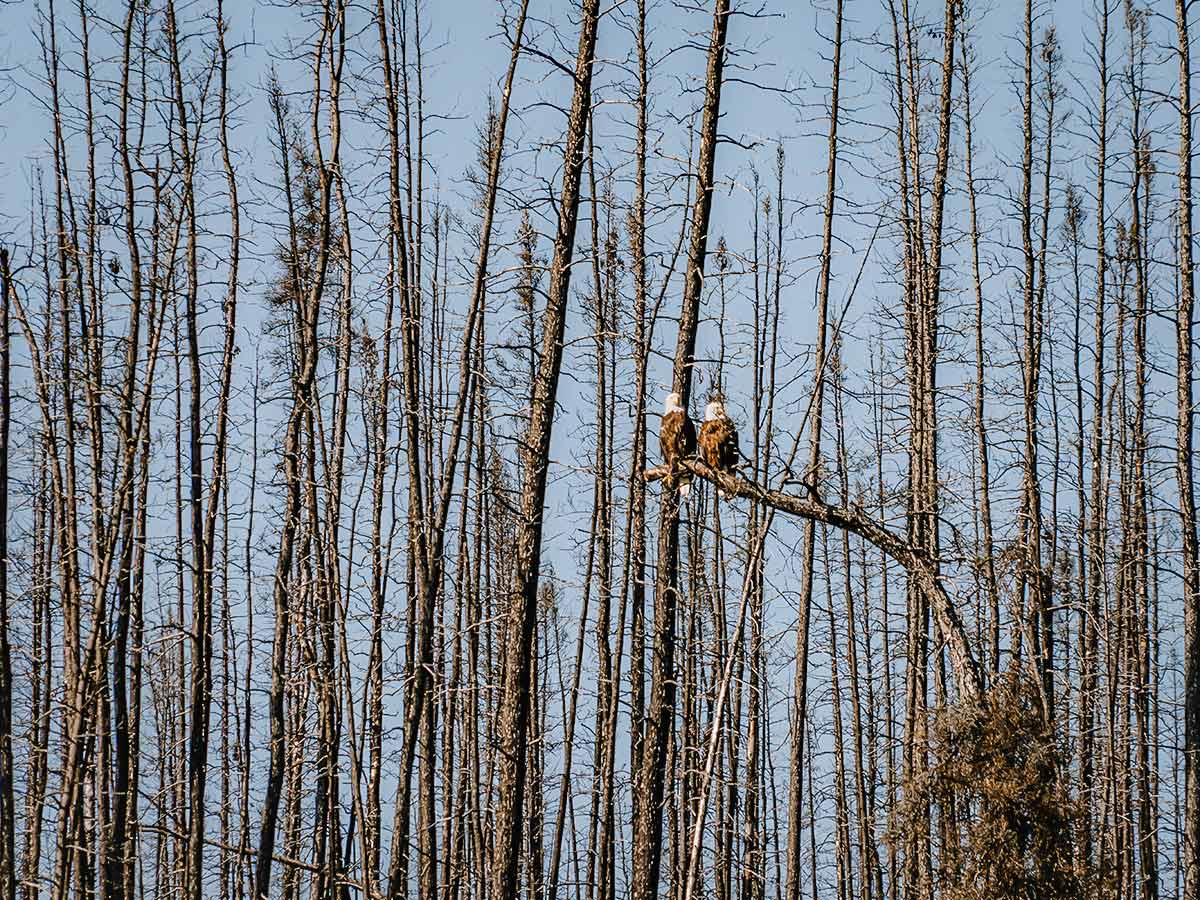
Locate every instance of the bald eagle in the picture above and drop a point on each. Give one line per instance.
(718, 439)
(677, 438)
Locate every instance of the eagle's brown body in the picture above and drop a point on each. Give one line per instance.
(719, 443)
(718, 439)
(677, 439)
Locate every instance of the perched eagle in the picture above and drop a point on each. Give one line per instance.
(718, 439)
(677, 438)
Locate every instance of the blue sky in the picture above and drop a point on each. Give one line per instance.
(784, 50)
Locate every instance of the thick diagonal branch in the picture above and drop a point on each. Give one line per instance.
(854, 519)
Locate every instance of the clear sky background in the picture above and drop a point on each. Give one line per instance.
(777, 94)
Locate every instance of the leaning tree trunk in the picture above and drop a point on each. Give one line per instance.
(921, 568)
(429, 525)
(522, 613)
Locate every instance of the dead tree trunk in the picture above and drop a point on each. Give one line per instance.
(915, 561)
(656, 738)
(1090, 664)
(8, 812)
(816, 409)
(306, 302)
(1183, 463)
(523, 594)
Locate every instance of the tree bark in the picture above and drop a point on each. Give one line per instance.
(8, 808)
(816, 410)
(523, 592)
(1184, 474)
(656, 737)
(913, 559)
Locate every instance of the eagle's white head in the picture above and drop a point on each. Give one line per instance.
(672, 404)
(715, 410)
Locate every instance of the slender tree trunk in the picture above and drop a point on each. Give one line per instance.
(1184, 475)
(1089, 676)
(816, 409)
(981, 430)
(8, 806)
(307, 304)
(652, 767)
(514, 709)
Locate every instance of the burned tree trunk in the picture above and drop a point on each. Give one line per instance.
(816, 410)
(1184, 474)
(1191, 835)
(8, 811)
(306, 302)
(514, 710)
(656, 739)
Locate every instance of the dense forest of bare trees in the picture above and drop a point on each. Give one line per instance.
(337, 556)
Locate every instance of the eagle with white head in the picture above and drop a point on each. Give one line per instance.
(719, 439)
(677, 438)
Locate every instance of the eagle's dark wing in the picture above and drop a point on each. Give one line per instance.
(677, 439)
(709, 442)
(719, 443)
(688, 434)
(730, 451)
